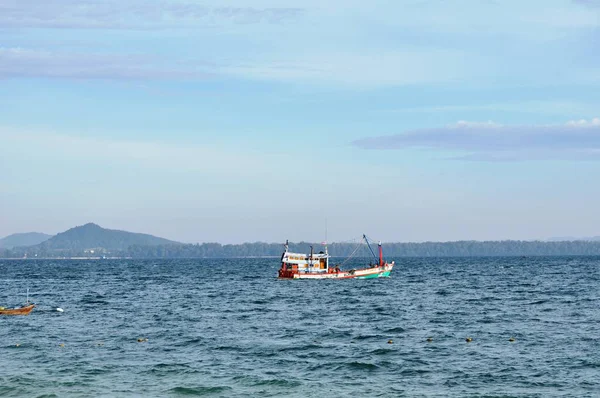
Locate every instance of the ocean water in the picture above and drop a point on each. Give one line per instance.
(229, 328)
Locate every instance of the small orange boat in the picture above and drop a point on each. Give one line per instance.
(17, 311)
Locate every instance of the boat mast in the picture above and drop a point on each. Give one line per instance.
(368, 244)
(380, 255)
(326, 253)
(286, 246)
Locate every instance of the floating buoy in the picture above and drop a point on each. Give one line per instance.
(18, 345)
(429, 339)
(61, 345)
(60, 309)
(142, 339)
(390, 341)
(511, 339)
(468, 339)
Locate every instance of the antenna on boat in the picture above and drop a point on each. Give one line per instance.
(326, 251)
(326, 235)
(27, 296)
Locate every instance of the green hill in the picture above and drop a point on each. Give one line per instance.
(92, 236)
(23, 239)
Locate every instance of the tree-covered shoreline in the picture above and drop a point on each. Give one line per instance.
(261, 249)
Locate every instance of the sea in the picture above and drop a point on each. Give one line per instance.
(439, 327)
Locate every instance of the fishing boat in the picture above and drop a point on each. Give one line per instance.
(17, 311)
(316, 266)
(25, 310)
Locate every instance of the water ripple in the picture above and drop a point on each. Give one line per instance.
(229, 328)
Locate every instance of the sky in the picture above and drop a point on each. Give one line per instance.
(263, 120)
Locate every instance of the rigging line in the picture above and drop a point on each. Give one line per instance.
(351, 255)
(370, 238)
(353, 240)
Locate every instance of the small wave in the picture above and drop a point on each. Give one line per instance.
(360, 366)
(94, 299)
(199, 391)
(96, 371)
(417, 361)
(381, 351)
(161, 366)
(361, 337)
(227, 348)
(538, 302)
(294, 348)
(381, 310)
(5, 390)
(397, 329)
(587, 364)
(413, 372)
(191, 341)
(278, 383)
(337, 334)
(257, 381)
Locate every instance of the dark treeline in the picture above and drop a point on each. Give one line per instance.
(425, 249)
(259, 249)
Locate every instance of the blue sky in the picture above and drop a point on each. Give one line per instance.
(264, 120)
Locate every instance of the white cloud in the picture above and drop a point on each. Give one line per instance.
(584, 123)
(481, 125)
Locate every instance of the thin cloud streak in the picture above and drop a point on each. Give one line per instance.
(339, 44)
(575, 140)
(112, 14)
(146, 154)
(553, 107)
(24, 63)
(394, 69)
(368, 69)
(588, 3)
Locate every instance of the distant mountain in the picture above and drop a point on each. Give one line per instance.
(92, 236)
(24, 239)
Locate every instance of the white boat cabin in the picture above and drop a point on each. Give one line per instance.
(300, 262)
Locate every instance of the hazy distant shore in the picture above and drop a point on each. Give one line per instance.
(274, 250)
(92, 242)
